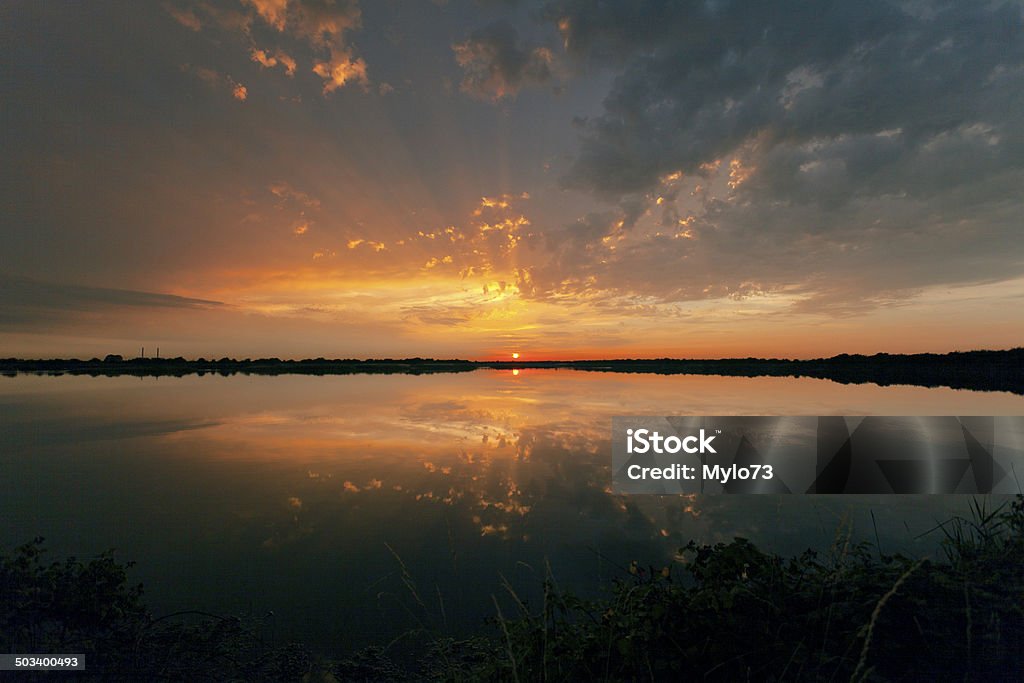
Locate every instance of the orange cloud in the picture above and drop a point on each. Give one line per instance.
(339, 70)
(376, 246)
(323, 25)
(286, 61)
(274, 12)
(217, 80)
(286, 193)
(739, 173)
(278, 58)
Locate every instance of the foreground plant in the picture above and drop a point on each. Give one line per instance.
(734, 612)
(726, 612)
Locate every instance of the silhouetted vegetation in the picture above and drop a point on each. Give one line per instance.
(90, 608)
(721, 612)
(737, 613)
(976, 370)
(180, 367)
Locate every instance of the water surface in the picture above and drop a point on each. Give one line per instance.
(331, 500)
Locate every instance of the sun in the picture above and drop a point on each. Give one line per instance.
(515, 354)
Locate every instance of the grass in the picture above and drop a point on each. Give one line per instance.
(725, 612)
(737, 613)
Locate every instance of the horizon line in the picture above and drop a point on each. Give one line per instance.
(517, 361)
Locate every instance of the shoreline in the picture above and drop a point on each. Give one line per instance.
(973, 370)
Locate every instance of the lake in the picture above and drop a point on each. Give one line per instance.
(357, 508)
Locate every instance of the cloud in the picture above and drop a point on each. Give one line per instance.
(297, 204)
(287, 194)
(227, 17)
(493, 302)
(218, 81)
(340, 69)
(25, 302)
(489, 243)
(322, 22)
(206, 75)
(496, 66)
(322, 25)
(269, 60)
(366, 244)
(840, 155)
(184, 16)
(274, 12)
(698, 80)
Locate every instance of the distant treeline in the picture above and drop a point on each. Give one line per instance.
(976, 370)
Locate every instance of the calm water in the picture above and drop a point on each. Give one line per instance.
(306, 496)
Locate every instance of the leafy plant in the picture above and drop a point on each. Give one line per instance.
(727, 611)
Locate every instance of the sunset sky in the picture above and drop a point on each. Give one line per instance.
(473, 178)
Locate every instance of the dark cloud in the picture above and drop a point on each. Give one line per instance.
(495, 65)
(862, 151)
(184, 16)
(870, 252)
(699, 79)
(25, 302)
(321, 25)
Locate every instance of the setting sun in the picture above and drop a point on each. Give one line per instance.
(515, 354)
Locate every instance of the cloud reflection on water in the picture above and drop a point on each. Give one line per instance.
(280, 493)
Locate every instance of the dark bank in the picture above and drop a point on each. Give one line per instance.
(975, 370)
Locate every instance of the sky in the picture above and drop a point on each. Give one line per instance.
(473, 178)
